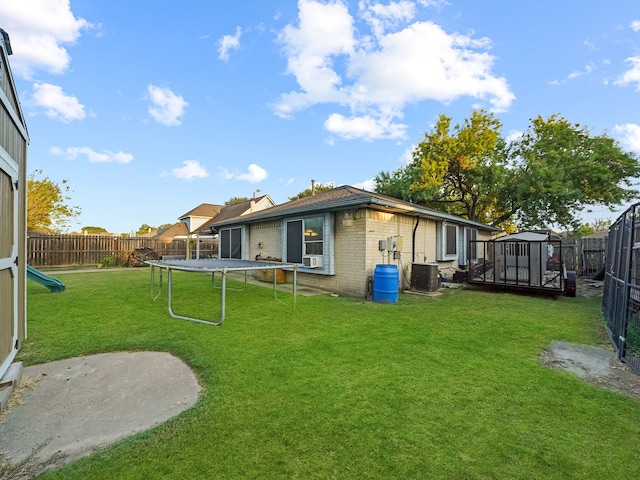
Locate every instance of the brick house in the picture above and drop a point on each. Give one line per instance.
(339, 236)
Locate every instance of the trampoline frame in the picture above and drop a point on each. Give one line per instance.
(213, 266)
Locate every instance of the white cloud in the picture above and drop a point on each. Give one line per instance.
(366, 127)
(166, 107)
(630, 136)
(369, 185)
(375, 77)
(380, 17)
(635, 25)
(287, 182)
(191, 169)
(227, 43)
(255, 174)
(433, 3)
(225, 174)
(631, 76)
(324, 30)
(56, 103)
(39, 31)
(579, 73)
(514, 135)
(106, 156)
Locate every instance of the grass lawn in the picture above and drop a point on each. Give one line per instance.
(426, 388)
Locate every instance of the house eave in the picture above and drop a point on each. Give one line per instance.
(371, 202)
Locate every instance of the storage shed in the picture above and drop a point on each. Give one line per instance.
(13, 213)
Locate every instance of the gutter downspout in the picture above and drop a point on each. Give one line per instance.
(413, 240)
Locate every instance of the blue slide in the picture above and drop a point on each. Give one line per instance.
(53, 284)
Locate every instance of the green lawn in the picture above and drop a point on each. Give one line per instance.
(426, 388)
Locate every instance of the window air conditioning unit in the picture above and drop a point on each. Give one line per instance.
(312, 262)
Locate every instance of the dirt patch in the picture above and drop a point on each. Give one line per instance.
(598, 366)
(595, 365)
(589, 288)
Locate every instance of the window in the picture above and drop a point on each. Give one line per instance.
(304, 237)
(231, 243)
(469, 250)
(446, 242)
(294, 241)
(451, 240)
(313, 236)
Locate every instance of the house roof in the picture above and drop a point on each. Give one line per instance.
(524, 237)
(599, 234)
(343, 198)
(233, 211)
(203, 210)
(177, 229)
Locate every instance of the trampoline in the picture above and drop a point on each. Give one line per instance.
(213, 266)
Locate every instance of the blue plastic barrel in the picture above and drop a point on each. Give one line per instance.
(385, 284)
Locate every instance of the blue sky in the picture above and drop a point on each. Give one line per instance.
(149, 109)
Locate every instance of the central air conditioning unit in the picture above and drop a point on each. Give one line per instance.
(312, 262)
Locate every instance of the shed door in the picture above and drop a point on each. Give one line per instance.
(8, 261)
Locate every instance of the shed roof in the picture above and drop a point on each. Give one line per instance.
(343, 198)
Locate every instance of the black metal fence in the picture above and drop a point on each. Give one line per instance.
(521, 265)
(621, 297)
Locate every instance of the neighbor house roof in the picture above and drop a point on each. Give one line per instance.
(343, 198)
(237, 210)
(175, 230)
(599, 234)
(203, 210)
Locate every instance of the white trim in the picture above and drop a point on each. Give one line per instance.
(8, 263)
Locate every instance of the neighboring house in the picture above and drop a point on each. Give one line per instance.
(178, 229)
(200, 215)
(338, 236)
(197, 222)
(14, 140)
(238, 210)
(599, 234)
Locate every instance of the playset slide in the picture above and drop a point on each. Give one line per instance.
(53, 284)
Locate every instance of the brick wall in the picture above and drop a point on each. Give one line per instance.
(269, 234)
(356, 249)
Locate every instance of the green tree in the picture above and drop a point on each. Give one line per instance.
(587, 228)
(47, 207)
(94, 230)
(144, 229)
(235, 201)
(318, 187)
(459, 170)
(547, 176)
(559, 169)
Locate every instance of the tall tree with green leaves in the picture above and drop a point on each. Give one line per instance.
(236, 201)
(92, 230)
(458, 170)
(547, 176)
(47, 207)
(560, 168)
(317, 188)
(144, 229)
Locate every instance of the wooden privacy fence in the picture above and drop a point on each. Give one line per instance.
(585, 256)
(67, 250)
